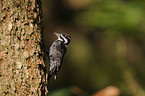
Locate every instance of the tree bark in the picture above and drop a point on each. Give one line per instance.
(20, 49)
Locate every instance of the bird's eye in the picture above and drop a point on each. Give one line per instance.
(64, 35)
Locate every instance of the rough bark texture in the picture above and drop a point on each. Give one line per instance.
(20, 35)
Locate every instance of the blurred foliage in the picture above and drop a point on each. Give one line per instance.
(107, 47)
(71, 91)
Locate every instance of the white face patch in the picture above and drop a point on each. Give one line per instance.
(65, 40)
(59, 38)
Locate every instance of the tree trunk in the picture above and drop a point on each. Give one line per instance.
(20, 50)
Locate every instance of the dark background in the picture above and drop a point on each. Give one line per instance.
(107, 47)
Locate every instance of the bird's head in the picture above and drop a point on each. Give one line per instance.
(63, 37)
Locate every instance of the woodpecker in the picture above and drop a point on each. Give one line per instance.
(56, 53)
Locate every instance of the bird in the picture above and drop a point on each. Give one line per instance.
(56, 53)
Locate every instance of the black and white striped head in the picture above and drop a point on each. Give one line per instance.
(63, 37)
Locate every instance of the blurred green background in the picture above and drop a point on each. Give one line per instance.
(107, 47)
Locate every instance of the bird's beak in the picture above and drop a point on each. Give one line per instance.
(57, 34)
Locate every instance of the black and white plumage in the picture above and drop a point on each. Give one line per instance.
(56, 53)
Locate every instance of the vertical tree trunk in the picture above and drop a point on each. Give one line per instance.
(20, 34)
